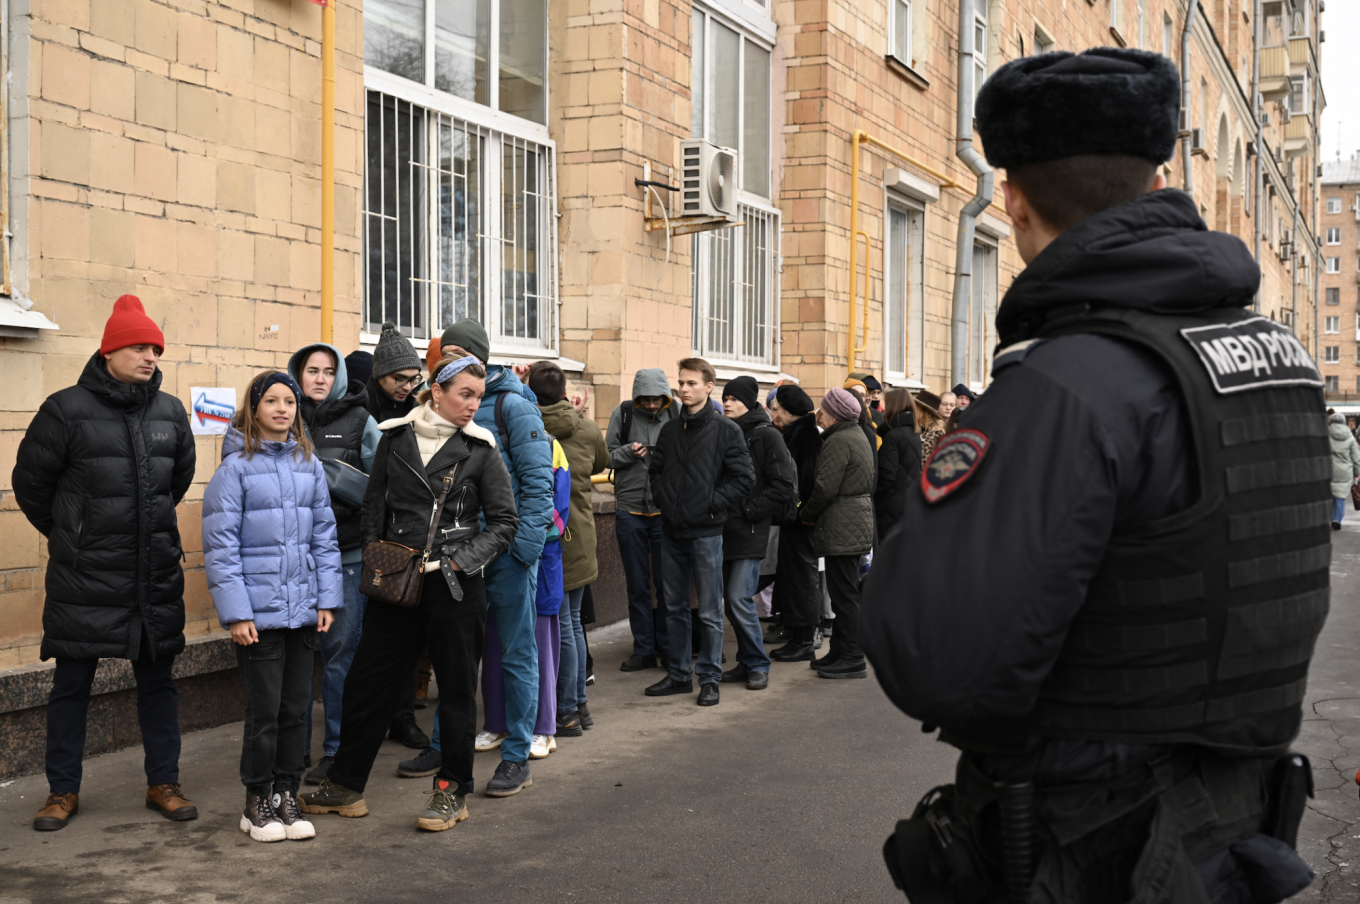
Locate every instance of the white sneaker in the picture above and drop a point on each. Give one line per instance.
(539, 748)
(272, 830)
(488, 741)
(552, 743)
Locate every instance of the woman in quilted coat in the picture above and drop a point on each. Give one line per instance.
(273, 567)
(842, 512)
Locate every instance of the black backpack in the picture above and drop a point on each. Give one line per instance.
(789, 513)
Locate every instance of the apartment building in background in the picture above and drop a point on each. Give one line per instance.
(489, 158)
(1339, 236)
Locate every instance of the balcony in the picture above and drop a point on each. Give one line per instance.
(1298, 135)
(1302, 57)
(1275, 72)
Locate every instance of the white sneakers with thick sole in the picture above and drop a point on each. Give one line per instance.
(487, 740)
(541, 746)
(270, 831)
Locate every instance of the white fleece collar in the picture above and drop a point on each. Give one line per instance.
(473, 429)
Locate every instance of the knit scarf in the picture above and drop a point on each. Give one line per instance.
(432, 431)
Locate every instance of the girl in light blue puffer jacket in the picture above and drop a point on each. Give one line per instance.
(273, 568)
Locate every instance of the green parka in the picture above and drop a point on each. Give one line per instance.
(841, 504)
(583, 444)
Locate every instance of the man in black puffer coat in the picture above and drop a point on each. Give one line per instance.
(99, 473)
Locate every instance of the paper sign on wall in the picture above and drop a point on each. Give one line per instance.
(213, 409)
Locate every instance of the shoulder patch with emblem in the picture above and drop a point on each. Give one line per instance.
(1256, 353)
(955, 458)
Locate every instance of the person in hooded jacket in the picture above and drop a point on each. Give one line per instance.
(273, 569)
(1345, 465)
(747, 531)
(1126, 674)
(633, 429)
(797, 596)
(99, 473)
(335, 418)
(583, 444)
(899, 460)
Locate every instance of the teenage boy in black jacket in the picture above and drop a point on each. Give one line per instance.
(747, 532)
(699, 470)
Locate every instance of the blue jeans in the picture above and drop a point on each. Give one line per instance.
(1338, 510)
(571, 669)
(640, 549)
(337, 652)
(740, 577)
(700, 558)
(510, 589)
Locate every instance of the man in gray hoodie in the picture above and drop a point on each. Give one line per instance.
(633, 429)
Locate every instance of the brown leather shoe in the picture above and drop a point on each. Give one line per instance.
(57, 812)
(170, 801)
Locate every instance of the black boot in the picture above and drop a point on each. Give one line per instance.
(798, 649)
(405, 730)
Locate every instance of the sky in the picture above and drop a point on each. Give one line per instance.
(1340, 75)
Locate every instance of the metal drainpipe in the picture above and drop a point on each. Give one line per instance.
(1257, 188)
(964, 150)
(1187, 97)
(1294, 266)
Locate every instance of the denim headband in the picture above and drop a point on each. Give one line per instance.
(259, 389)
(454, 368)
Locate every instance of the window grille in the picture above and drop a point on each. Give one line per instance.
(734, 288)
(458, 222)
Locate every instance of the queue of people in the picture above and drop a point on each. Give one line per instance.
(402, 531)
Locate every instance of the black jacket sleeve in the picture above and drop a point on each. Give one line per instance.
(776, 464)
(375, 497)
(186, 458)
(958, 647)
(39, 464)
(738, 478)
(498, 508)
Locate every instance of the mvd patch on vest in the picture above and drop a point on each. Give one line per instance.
(1252, 354)
(956, 457)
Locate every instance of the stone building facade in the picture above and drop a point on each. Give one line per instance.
(488, 159)
(1339, 236)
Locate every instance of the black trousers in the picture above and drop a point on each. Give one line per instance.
(277, 674)
(157, 715)
(797, 589)
(379, 679)
(842, 584)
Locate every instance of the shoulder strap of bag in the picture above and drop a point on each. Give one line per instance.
(434, 520)
(625, 421)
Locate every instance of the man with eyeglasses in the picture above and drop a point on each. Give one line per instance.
(396, 374)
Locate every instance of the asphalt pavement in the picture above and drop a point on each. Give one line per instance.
(782, 795)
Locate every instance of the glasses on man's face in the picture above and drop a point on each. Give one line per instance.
(405, 381)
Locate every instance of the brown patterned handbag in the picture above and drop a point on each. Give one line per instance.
(393, 573)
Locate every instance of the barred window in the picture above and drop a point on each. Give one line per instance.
(458, 222)
(734, 288)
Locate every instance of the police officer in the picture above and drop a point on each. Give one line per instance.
(1144, 491)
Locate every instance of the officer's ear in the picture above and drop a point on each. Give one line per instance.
(1032, 234)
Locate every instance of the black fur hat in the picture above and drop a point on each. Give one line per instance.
(1103, 101)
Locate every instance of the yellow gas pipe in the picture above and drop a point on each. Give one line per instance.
(328, 172)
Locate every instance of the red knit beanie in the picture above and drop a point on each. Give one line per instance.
(129, 325)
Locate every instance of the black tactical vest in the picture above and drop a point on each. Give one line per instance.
(341, 439)
(1198, 628)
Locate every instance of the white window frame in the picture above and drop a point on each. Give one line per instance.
(1332, 292)
(751, 268)
(898, 10)
(1043, 40)
(1331, 325)
(1334, 205)
(1331, 354)
(1117, 15)
(1333, 235)
(1333, 265)
(1332, 384)
(499, 131)
(981, 25)
(913, 313)
(982, 316)
(1302, 109)
(1166, 34)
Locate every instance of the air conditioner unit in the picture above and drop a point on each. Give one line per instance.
(708, 176)
(1196, 139)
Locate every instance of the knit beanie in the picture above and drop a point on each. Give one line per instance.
(841, 404)
(359, 366)
(129, 325)
(871, 383)
(852, 382)
(745, 390)
(394, 352)
(470, 336)
(793, 399)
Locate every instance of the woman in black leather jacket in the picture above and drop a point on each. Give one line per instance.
(435, 440)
